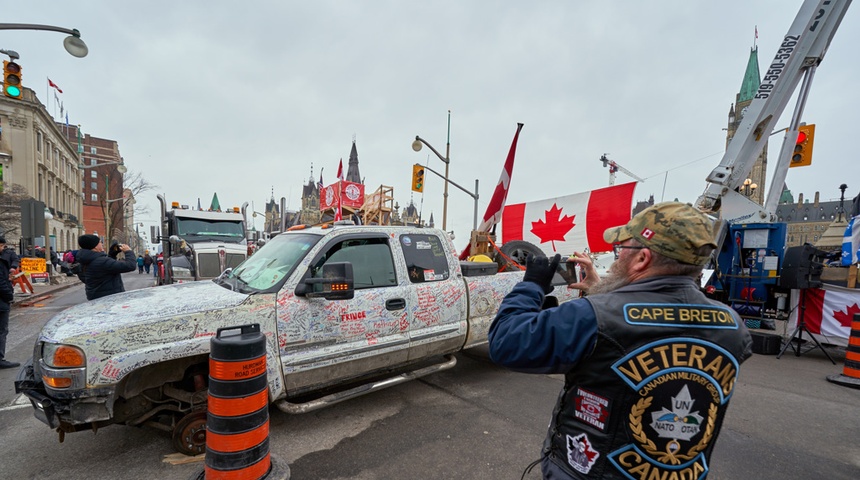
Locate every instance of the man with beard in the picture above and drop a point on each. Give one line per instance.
(649, 362)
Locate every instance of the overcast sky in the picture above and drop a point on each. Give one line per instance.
(241, 98)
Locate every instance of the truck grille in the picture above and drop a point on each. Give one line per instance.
(209, 267)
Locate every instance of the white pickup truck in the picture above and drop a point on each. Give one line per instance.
(402, 303)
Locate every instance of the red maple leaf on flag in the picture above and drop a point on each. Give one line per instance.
(844, 319)
(555, 227)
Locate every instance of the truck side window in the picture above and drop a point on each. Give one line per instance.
(425, 258)
(372, 262)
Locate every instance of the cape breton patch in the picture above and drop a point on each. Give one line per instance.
(591, 409)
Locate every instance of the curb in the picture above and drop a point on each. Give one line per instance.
(36, 297)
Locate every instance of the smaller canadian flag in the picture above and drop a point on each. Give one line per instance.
(52, 84)
(647, 233)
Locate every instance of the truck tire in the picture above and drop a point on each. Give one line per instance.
(517, 251)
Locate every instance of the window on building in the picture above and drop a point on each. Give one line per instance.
(94, 197)
(94, 185)
(38, 141)
(93, 151)
(94, 174)
(93, 161)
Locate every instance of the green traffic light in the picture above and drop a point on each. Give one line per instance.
(13, 91)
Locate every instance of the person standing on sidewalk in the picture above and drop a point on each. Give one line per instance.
(101, 273)
(6, 297)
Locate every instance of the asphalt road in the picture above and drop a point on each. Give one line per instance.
(475, 421)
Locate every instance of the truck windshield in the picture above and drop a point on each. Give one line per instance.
(190, 227)
(266, 269)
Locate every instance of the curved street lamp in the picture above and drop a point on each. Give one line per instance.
(73, 43)
(416, 145)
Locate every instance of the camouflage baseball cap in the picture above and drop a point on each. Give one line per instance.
(674, 229)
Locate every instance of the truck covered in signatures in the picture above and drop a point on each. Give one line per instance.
(345, 309)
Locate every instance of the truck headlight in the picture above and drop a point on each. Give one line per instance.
(62, 365)
(63, 356)
(181, 273)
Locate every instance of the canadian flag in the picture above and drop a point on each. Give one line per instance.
(571, 223)
(829, 311)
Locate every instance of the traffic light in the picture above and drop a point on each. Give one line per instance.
(12, 79)
(417, 178)
(802, 155)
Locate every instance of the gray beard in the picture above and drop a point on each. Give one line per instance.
(609, 283)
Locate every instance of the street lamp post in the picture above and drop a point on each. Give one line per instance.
(73, 43)
(749, 188)
(416, 145)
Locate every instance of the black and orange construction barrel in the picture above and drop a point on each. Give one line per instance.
(850, 376)
(237, 419)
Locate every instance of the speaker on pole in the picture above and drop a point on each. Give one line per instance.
(802, 267)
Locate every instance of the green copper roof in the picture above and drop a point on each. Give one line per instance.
(752, 80)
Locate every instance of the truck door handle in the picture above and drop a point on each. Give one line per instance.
(395, 304)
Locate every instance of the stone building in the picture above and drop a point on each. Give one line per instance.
(755, 190)
(36, 154)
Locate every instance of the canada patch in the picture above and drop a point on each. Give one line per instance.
(591, 409)
(647, 233)
(580, 453)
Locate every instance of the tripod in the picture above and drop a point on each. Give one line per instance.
(798, 332)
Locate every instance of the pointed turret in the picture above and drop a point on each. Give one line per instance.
(215, 206)
(752, 79)
(352, 174)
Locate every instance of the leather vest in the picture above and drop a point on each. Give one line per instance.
(653, 393)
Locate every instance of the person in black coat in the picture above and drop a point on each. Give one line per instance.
(101, 273)
(7, 294)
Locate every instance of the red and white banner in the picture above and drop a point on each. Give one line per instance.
(571, 223)
(829, 311)
(345, 194)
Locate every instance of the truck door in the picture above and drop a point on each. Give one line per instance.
(329, 340)
(437, 301)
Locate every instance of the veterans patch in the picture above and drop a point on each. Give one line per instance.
(591, 409)
(681, 384)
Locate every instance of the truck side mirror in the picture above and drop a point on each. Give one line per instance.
(337, 283)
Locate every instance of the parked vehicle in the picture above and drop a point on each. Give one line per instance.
(346, 310)
(200, 244)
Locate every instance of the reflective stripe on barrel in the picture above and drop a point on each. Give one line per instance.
(257, 470)
(852, 351)
(237, 422)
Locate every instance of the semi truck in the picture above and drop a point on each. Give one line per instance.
(199, 244)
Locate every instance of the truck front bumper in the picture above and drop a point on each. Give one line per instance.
(43, 406)
(71, 410)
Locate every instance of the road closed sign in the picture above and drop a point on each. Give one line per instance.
(33, 265)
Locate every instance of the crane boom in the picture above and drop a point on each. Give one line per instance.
(800, 53)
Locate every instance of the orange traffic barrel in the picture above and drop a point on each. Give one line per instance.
(850, 376)
(237, 419)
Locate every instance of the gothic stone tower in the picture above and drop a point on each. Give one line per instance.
(749, 86)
